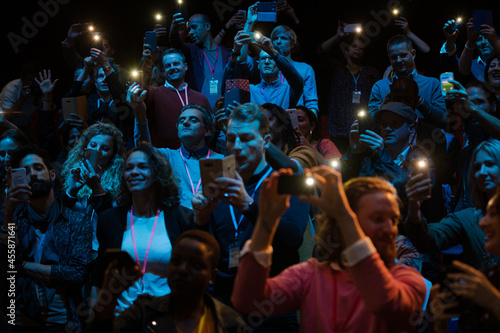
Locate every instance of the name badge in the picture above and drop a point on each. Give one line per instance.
(234, 255)
(356, 97)
(214, 87)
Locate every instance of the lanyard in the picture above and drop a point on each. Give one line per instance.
(231, 209)
(185, 94)
(351, 311)
(212, 70)
(189, 176)
(277, 94)
(355, 78)
(150, 239)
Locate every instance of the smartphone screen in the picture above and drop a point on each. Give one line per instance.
(446, 85)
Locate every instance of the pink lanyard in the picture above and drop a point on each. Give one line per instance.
(150, 239)
(212, 70)
(189, 176)
(185, 93)
(277, 94)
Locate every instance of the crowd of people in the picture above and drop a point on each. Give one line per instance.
(107, 225)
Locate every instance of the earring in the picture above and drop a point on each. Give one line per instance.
(310, 133)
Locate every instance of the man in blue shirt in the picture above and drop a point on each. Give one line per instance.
(194, 126)
(431, 107)
(284, 39)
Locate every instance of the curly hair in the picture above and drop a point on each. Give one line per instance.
(330, 242)
(165, 184)
(110, 179)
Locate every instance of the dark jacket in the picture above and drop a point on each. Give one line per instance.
(148, 309)
(112, 223)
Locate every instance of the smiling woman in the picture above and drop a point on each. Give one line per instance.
(492, 75)
(145, 224)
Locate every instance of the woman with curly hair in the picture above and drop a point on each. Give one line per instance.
(145, 224)
(82, 180)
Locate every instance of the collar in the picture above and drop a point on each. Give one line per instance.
(413, 74)
(184, 86)
(257, 176)
(480, 61)
(402, 157)
(274, 83)
(200, 153)
(100, 100)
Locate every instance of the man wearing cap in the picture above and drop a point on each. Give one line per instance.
(387, 154)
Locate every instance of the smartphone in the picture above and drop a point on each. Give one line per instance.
(296, 185)
(293, 117)
(355, 27)
(444, 285)
(364, 121)
(419, 165)
(76, 105)
(212, 168)
(86, 27)
(335, 163)
(18, 177)
(266, 11)
(256, 36)
(482, 17)
(123, 258)
(445, 82)
(92, 156)
(151, 40)
(236, 94)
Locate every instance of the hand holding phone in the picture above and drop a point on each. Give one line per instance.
(294, 119)
(364, 121)
(355, 27)
(446, 85)
(420, 165)
(92, 155)
(19, 177)
(296, 185)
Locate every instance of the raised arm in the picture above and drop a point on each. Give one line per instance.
(403, 24)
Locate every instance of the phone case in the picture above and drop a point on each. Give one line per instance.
(212, 168)
(19, 176)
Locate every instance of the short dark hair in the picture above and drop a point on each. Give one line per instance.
(207, 117)
(249, 112)
(167, 191)
(174, 51)
(31, 149)
(205, 238)
(400, 39)
(16, 136)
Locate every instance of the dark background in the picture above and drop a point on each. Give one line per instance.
(126, 21)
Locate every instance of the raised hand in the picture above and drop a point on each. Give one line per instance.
(402, 23)
(45, 82)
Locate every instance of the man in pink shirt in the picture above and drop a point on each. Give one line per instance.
(357, 287)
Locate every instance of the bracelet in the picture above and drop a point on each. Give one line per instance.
(469, 48)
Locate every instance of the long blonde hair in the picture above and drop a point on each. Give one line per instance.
(110, 179)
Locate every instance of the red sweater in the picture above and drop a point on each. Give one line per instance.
(164, 107)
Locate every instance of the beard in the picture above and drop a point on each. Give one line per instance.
(387, 252)
(40, 188)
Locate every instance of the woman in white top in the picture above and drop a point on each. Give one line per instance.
(146, 222)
